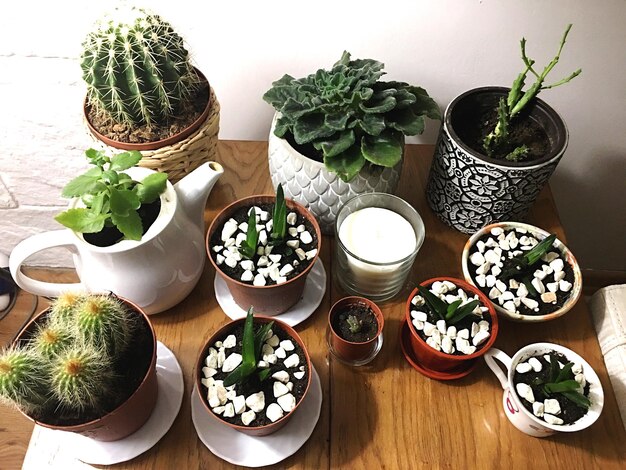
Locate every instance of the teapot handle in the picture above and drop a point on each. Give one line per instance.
(35, 244)
(490, 357)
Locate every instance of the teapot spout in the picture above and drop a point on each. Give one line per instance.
(193, 190)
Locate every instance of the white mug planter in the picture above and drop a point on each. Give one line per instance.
(155, 272)
(515, 411)
(307, 181)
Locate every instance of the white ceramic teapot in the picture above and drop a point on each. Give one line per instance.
(156, 272)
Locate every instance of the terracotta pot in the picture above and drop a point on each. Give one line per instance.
(157, 144)
(468, 190)
(348, 350)
(272, 299)
(577, 286)
(439, 361)
(201, 389)
(130, 415)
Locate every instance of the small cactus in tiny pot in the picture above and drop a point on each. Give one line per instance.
(136, 68)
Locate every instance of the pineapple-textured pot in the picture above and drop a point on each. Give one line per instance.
(308, 182)
(468, 190)
(129, 415)
(270, 299)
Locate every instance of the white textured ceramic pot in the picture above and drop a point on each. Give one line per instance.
(323, 193)
(468, 190)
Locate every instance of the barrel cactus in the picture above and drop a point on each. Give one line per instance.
(21, 379)
(62, 309)
(79, 377)
(50, 340)
(136, 68)
(346, 117)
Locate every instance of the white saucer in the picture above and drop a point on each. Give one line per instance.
(240, 449)
(171, 389)
(314, 289)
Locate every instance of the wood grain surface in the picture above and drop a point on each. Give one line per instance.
(384, 415)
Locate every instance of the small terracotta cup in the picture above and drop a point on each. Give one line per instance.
(540, 234)
(220, 335)
(519, 416)
(439, 361)
(348, 350)
(130, 415)
(272, 299)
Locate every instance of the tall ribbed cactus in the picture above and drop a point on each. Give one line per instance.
(21, 379)
(63, 308)
(136, 68)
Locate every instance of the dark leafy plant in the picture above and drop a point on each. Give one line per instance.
(252, 344)
(523, 265)
(348, 116)
(561, 382)
(451, 313)
(110, 196)
(248, 246)
(518, 99)
(279, 217)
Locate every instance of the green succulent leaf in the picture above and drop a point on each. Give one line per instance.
(562, 386)
(248, 350)
(241, 372)
(82, 220)
(249, 245)
(151, 187)
(384, 150)
(463, 311)
(279, 216)
(578, 398)
(347, 164)
(565, 373)
(452, 308)
(260, 336)
(438, 306)
(264, 374)
(125, 160)
(540, 249)
(129, 224)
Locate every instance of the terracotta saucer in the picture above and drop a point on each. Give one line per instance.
(405, 344)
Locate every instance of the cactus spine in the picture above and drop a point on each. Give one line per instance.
(136, 68)
(62, 309)
(80, 377)
(51, 340)
(21, 379)
(103, 322)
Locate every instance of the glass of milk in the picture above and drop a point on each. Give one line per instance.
(377, 237)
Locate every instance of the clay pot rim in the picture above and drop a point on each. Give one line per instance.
(552, 156)
(78, 427)
(157, 144)
(222, 331)
(484, 301)
(241, 202)
(352, 300)
(565, 252)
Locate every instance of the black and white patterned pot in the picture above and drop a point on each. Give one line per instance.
(323, 193)
(468, 190)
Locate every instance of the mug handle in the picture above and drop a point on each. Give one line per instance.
(35, 244)
(501, 356)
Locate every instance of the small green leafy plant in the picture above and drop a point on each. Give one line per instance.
(279, 217)
(252, 344)
(354, 324)
(347, 118)
(450, 313)
(517, 100)
(248, 246)
(110, 196)
(561, 382)
(523, 265)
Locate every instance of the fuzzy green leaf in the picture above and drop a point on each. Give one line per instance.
(151, 187)
(438, 306)
(82, 220)
(129, 224)
(405, 121)
(123, 201)
(384, 150)
(125, 160)
(379, 104)
(332, 148)
(310, 128)
(373, 124)
(347, 164)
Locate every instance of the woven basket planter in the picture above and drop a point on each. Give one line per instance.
(179, 158)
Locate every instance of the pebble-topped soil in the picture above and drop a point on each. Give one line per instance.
(462, 338)
(551, 277)
(272, 264)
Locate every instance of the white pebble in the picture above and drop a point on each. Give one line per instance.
(429, 328)
(299, 375)
(550, 419)
(551, 406)
(438, 287)
(483, 269)
(577, 368)
(292, 361)
(446, 345)
(239, 403)
(535, 364)
(311, 254)
(282, 376)
(522, 291)
(419, 325)
(274, 412)
(286, 269)
(433, 344)
(273, 341)
(565, 286)
(209, 372)
(496, 231)
(230, 342)
(280, 389)
(287, 402)
(292, 218)
(451, 333)
(523, 367)
(461, 343)
(494, 293)
(256, 402)
(509, 306)
(464, 334)
(530, 303)
(247, 417)
(480, 337)
(229, 410)
(538, 285)
(293, 231)
(247, 276)
(231, 262)
(539, 274)
(247, 264)
(524, 391)
(548, 298)
(481, 246)
(229, 229)
(442, 327)
(280, 353)
(231, 362)
(481, 280)
(490, 280)
(538, 409)
(552, 286)
(259, 280)
(557, 265)
(305, 237)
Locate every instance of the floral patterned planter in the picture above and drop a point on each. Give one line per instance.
(468, 190)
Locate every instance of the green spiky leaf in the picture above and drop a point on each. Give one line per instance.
(438, 306)
(279, 217)
(248, 246)
(540, 249)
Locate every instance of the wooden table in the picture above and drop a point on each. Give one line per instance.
(385, 415)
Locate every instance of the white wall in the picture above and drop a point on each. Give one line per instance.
(446, 46)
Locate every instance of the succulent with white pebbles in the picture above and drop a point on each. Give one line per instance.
(519, 271)
(552, 389)
(273, 246)
(250, 385)
(449, 319)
